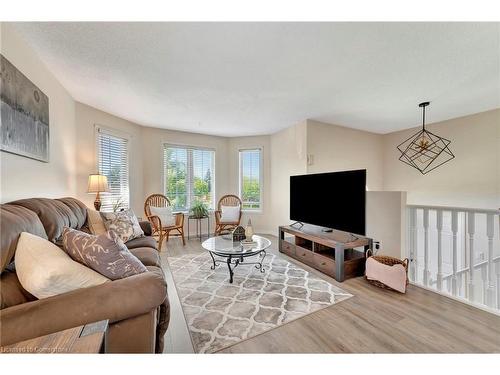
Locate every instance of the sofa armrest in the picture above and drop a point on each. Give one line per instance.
(115, 300)
(146, 227)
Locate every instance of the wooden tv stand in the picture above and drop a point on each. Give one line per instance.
(332, 253)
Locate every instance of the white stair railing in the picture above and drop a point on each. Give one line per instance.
(456, 251)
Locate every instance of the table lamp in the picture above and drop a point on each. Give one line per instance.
(97, 184)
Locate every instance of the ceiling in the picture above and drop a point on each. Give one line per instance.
(237, 79)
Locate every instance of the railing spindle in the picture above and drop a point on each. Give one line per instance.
(497, 270)
(490, 283)
(454, 230)
(426, 247)
(471, 228)
(413, 244)
(439, 224)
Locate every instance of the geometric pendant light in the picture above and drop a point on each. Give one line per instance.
(424, 150)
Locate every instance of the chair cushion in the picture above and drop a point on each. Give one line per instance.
(106, 253)
(45, 270)
(165, 214)
(147, 255)
(123, 223)
(230, 214)
(141, 242)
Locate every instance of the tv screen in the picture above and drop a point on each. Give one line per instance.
(333, 200)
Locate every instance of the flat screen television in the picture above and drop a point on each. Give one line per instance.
(335, 200)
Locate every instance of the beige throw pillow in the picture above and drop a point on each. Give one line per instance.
(45, 270)
(106, 253)
(95, 222)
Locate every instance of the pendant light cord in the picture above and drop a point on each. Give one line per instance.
(423, 118)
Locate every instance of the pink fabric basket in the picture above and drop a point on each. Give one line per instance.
(387, 272)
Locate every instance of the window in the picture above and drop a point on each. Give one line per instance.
(251, 179)
(113, 163)
(189, 176)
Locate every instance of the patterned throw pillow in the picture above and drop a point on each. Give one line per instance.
(123, 223)
(106, 253)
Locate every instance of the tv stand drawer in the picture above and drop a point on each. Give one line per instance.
(304, 255)
(324, 264)
(287, 248)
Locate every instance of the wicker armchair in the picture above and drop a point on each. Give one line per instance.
(226, 200)
(159, 200)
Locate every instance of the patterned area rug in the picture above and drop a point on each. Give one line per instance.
(220, 314)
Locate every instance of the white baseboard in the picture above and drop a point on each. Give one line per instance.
(459, 299)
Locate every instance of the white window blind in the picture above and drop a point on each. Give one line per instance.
(113, 163)
(251, 179)
(189, 176)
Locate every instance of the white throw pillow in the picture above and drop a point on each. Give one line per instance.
(165, 215)
(45, 270)
(230, 214)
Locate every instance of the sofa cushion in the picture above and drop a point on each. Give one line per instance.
(13, 221)
(141, 242)
(78, 208)
(12, 292)
(147, 255)
(106, 253)
(45, 270)
(146, 227)
(55, 214)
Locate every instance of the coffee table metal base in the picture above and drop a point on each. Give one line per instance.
(235, 260)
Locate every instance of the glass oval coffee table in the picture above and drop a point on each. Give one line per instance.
(234, 252)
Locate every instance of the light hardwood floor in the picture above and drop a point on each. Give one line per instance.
(373, 321)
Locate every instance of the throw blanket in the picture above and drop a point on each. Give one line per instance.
(392, 276)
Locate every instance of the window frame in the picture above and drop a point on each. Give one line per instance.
(190, 178)
(261, 177)
(100, 129)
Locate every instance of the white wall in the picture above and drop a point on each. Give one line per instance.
(22, 177)
(336, 148)
(288, 158)
(472, 179)
(86, 152)
(386, 221)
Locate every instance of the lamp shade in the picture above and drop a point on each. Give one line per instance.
(97, 183)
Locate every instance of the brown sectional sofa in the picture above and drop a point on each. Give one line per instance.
(137, 307)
